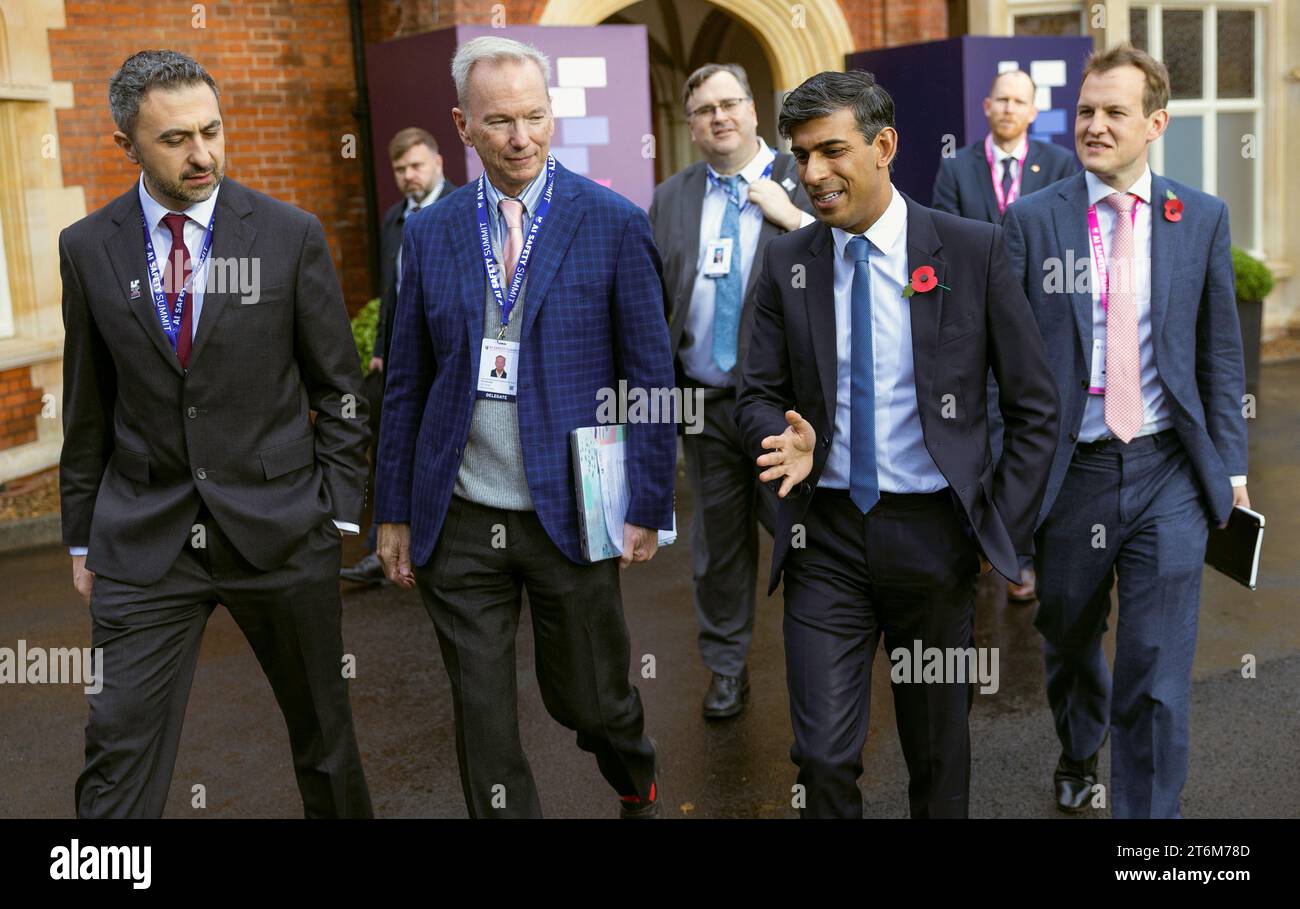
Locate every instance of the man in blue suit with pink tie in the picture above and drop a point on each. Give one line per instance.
(1130, 278)
(476, 500)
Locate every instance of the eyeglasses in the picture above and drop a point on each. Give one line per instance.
(728, 106)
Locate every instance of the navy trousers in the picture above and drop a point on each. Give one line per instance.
(1134, 513)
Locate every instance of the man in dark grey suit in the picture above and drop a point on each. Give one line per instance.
(417, 168)
(712, 222)
(987, 176)
(204, 328)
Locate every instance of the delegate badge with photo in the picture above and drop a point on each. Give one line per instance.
(717, 257)
(498, 370)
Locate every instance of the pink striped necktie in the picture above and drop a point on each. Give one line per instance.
(513, 211)
(1124, 413)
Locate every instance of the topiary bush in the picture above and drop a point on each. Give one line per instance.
(1254, 280)
(364, 325)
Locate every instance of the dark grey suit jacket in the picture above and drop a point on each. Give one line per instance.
(390, 241)
(145, 442)
(963, 186)
(983, 322)
(675, 217)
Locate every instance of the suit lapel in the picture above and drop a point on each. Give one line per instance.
(1032, 180)
(232, 239)
(694, 187)
(469, 257)
(819, 301)
(783, 168)
(125, 248)
(1162, 255)
(1069, 216)
(553, 239)
(978, 165)
(925, 310)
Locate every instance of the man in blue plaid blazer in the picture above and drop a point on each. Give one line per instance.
(475, 496)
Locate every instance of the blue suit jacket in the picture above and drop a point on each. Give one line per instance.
(1193, 308)
(592, 315)
(963, 186)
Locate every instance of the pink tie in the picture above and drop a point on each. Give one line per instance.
(1124, 414)
(513, 211)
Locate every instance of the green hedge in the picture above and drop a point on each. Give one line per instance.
(364, 324)
(1254, 280)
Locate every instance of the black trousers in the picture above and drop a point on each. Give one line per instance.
(907, 570)
(471, 586)
(150, 638)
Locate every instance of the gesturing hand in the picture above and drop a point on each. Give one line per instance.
(789, 455)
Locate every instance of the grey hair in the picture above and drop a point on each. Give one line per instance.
(826, 93)
(491, 49)
(146, 70)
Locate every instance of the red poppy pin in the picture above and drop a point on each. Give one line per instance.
(923, 279)
(1173, 206)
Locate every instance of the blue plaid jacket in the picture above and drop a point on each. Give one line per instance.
(593, 314)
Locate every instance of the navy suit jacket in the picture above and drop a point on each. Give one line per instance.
(963, 186)
(983, 322)
(592, 315)
(1193, 308)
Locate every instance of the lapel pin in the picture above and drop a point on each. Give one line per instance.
(135, 288)
(1035, 168)
(788, 184)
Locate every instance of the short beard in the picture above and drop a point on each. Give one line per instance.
(176, 189)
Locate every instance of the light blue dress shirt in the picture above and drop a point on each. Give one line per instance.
(903, 465)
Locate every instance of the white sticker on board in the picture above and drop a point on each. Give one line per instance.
(1048, 72)
(580, 72)
(569, 102)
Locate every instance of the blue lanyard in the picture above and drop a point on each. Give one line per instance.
(171, 322)
(731, 193)
(507, 300)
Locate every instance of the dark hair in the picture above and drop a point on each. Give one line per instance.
(1155, 94)
(407, 139)
(1014, 72)
(151, 69)
(696, 79)
(825, 93)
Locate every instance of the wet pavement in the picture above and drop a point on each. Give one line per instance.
(1245, 731)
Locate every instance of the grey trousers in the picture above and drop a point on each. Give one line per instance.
(729, 505)
(150, 638)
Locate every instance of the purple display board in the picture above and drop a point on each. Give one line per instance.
(939, 88)
(600, 93)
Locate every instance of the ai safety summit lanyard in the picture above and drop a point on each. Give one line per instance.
(1014, 193)
(171, 322)
(507, 301)
(741, 204)
(1099, 251)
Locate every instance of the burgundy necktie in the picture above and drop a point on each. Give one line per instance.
(172, 286)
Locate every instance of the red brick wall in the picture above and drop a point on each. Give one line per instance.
(288, 92)
(877, 23)
(20, 405)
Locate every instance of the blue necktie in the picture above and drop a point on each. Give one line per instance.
(864, 486)
(727, 289)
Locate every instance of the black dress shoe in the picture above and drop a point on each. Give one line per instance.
(1074, 781)
(727, 695)
(632, 807)
(368, 571)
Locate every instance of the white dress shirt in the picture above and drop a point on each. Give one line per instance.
(696, 350)
(902, 462)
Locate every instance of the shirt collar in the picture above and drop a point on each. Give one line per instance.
(999, 154)
(154, 211)
(531, 195)
(428, 200)
(1099, 189)
(752, 171)
(884, 233)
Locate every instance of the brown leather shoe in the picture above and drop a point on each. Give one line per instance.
(1022, 593)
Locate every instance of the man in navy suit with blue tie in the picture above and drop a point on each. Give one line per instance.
(863, 397)
(1130, 276)
(475, 498)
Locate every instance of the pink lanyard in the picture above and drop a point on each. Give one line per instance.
(1099, 251)
(1014, 193)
